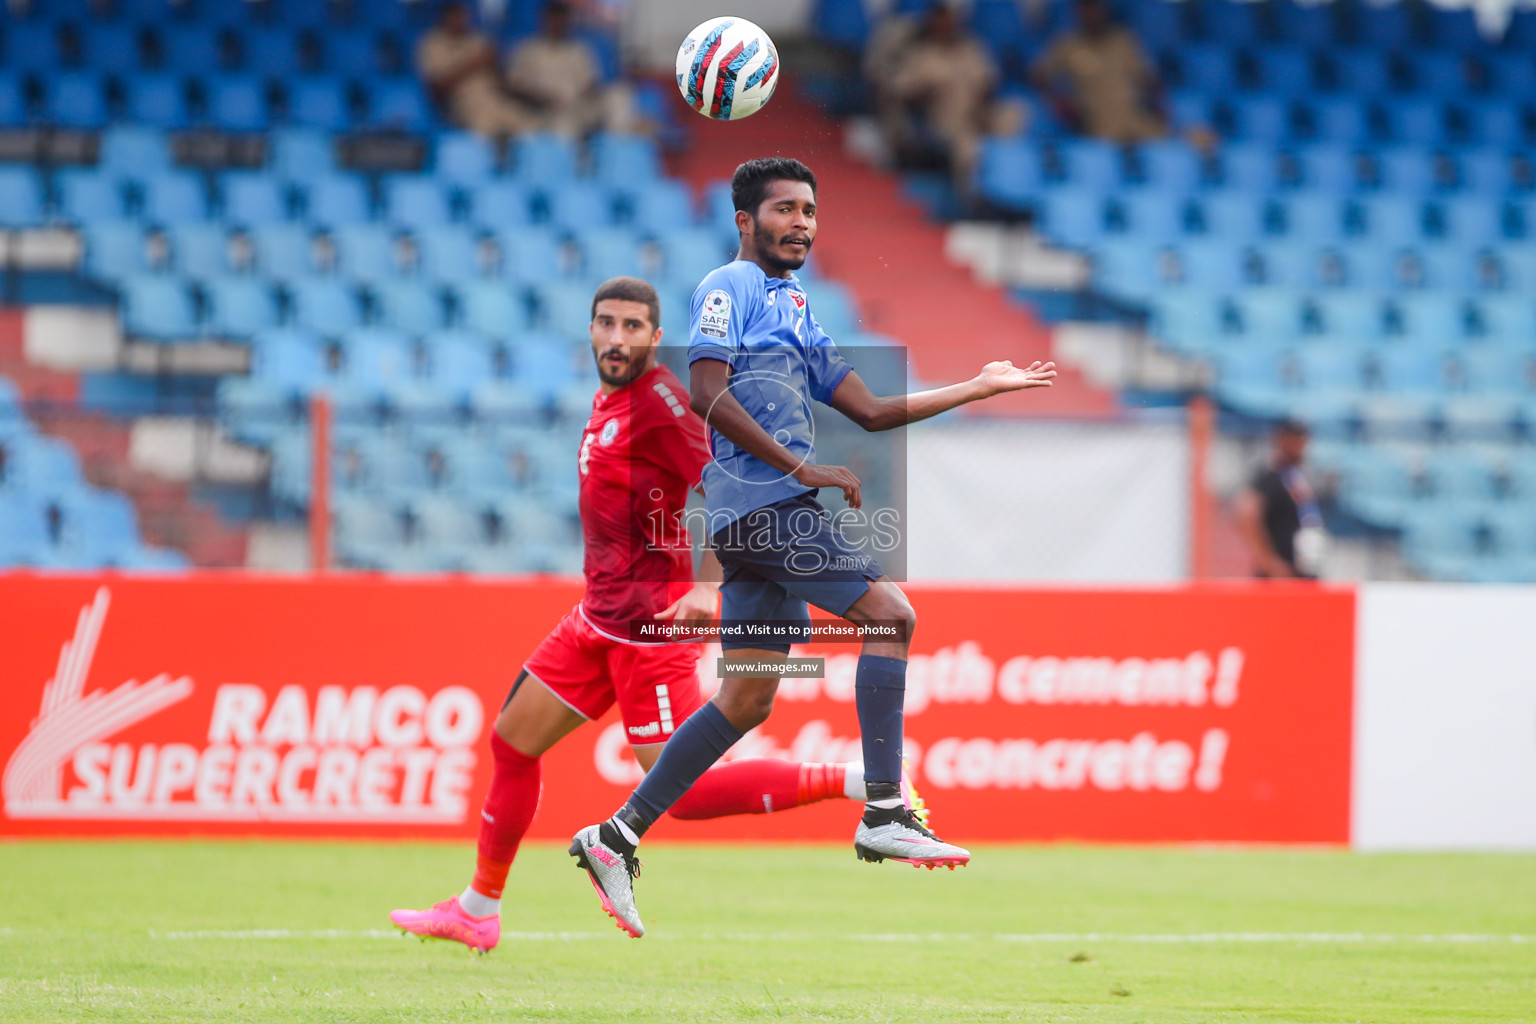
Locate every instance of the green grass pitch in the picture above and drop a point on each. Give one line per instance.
(296, 932)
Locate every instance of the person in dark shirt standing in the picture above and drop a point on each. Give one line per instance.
(1278, 514)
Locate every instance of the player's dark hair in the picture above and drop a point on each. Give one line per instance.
(749, 185)
(629, 289)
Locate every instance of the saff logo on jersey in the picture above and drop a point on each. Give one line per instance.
(609, 432)
(799, 299)
(715, 317)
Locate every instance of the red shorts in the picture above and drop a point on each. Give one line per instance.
(656, 686)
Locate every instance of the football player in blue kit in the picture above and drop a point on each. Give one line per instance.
(757, 359)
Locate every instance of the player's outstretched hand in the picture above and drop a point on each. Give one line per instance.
(1003, 376)
(832, 476)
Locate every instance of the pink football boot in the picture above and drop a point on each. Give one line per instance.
(447, 920)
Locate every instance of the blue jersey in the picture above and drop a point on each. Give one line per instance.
(780, 359)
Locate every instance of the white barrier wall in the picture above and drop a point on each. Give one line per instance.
(1445, 717)
(1011, 500)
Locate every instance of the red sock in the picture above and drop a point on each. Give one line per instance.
(508, 810)
(759, 785)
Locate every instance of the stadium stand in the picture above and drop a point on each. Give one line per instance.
(1354, 253)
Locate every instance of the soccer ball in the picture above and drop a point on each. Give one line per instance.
(727, 69)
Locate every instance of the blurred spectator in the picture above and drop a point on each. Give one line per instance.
(458, 65)
(1277, 513)
(935, 88)
(557, 75)
(1099, 81)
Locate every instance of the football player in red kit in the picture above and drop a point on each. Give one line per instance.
(641, 453)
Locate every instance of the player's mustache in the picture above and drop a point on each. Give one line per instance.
(787, 239)
(614, 353)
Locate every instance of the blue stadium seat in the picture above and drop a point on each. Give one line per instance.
(199, 250)
(458, 362)
(191, 47)
(1408, 171)
(1486, 171)
(272, 51)
(1328, 167)
(353, 54)
(464, 159)
(1219, 264)
(1152, 214)
(1238, 216)
(1208, 68)
(1264, 119)
(337, 199)
(134, 151)
(611, 252)
(1288, 71)
(1458, 269)
(580, 206)
(1188, 109)
(1292, 265)
(497, 205)
(1454, 31)
(377, 357)
(1441, 73)
(491, 308)
(159, 100)
(86, 197)
(326, 306)
(1171, 165)
(1159, 25)
(174, 198)
(662, 206)
(289, 359)
(1511, 73)
(1307, 24)
(366, 253)
(238, 104)
(1187, 319)
(240, 306)
(1271, 313)
(1433, 317)
(1392, 219)
(114, 249)
(300, 154)
(76, 100)
(253, 198)
(1334, 368)
(1074, 217)
(31, 46)
(13, 101)
(1251, 378)
(1499, 369)
(625, 161)
(1509, 317)
(529, 255)
(1091, 165)
(1343, 120)
(1250, 167)
(565, 307)
(1008, 172)
(1313, 217)
(284, 252)
(1473, 220)
(399, 104)
(447, 254)
(1500, 121)
(21, 197)
(1413, 369)
(24, 537)
(539, 159)
(318, 102)
(1440, 541)
(415, 203)
(158, 307)
(544, 365)
(690, 254)
(1379, 487)
(1351, 315)
(1417, 121)
(414, 307)
(1517, 265)
(1482, 418)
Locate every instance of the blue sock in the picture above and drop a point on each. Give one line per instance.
(694, 747)
(879, 689)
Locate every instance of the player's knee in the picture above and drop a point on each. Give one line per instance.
(746, 708)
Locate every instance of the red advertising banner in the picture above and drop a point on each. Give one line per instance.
(358, 706)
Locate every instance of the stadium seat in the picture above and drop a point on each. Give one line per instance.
(114, 250)
(31, 46)
(133, 150)
(1288, 71)
(158, 307)
(21, 197)
(283, 252)
(289, 359)
(491, 309)
(611, 252)
(1074, 217)
(1272, 313)
(1250, 167)
(85, 196)
(398, 104)
(1350, 315)
(199, 250)
(191, 47)
(1472, 220)
(238, 104)
(464, 159)
(365, 253)
(336, 199)
(543, 159)
(1392, 219)
(1008, 172)
(253, 198)
(159, 100)
(375, 358)
(565, 307)
(1314, 217)
(326, 306)
(661, 206)
(580, 206)
(1268, 120)
(497, 205)
(1432, 317)
(1408, 171)
(273, 51)
(414, 307)
(1236, 215)
(1217, 264)
(625, 161)
(1506, 317)
(300, 154)
(530, 255)
(447, 254)
(176, 197)
(1173, 166)
(458, 361)
(415, 203)
(240, 306)
(77, 100)
(319, 103)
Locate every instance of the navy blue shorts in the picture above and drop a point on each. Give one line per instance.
(780, 559)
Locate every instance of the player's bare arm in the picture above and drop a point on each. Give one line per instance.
(709, 386)
(886, 412)
(702, 602)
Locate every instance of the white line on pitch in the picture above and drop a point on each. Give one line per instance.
(1059, 938)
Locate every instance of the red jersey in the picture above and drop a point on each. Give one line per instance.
(642, 451)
